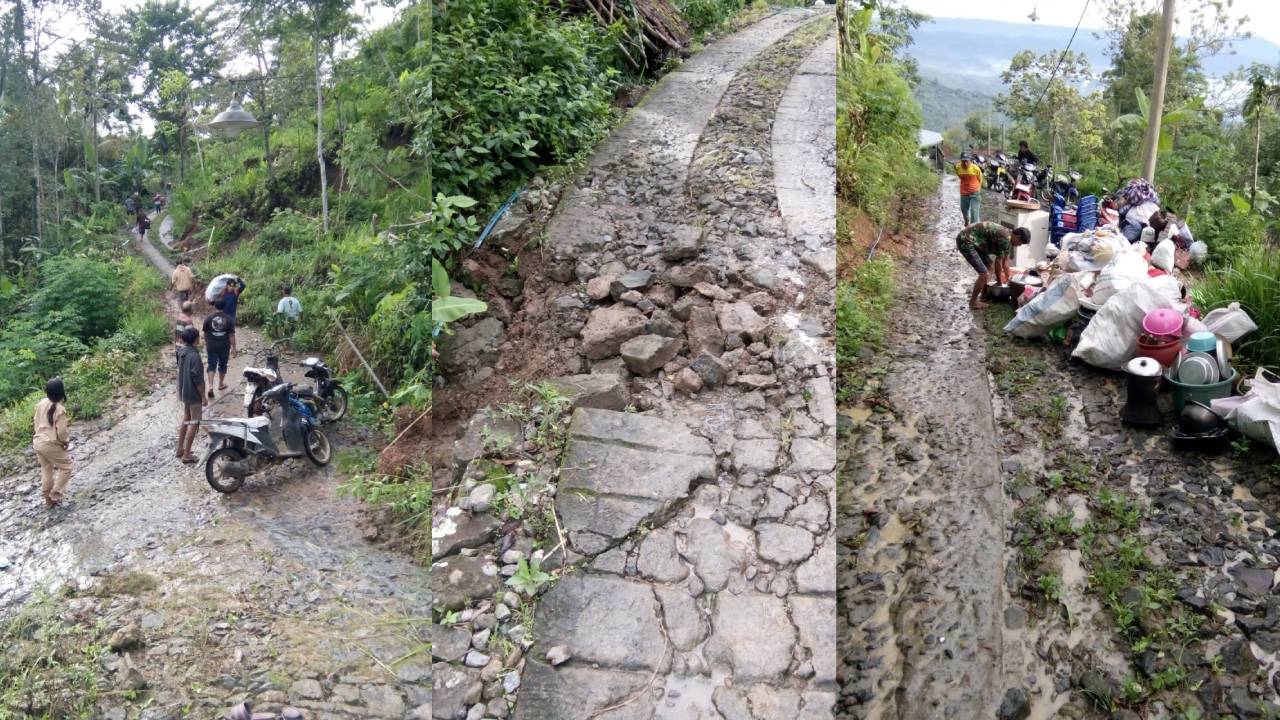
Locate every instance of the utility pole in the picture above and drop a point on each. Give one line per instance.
(1151, 143)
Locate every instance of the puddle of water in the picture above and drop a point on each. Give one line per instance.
(690, 697)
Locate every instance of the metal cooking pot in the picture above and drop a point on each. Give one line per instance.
(1197, 419)
(996, 291)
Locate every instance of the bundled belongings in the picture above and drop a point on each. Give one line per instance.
(218, 286)
(1256, 414)
(1111, 338)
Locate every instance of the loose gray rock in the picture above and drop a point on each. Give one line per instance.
(647, 353)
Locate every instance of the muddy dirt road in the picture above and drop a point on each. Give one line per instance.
(270, 594)
(1008, 548)
(923, 535)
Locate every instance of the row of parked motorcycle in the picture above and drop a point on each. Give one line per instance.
(240, 447)
(1027, 182)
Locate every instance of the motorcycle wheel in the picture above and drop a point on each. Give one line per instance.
(335, 406)
(215, 473)
(316, 445)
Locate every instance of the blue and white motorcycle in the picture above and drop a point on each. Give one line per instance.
(240, 447)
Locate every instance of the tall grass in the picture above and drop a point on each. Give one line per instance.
(1253, 280)
(862, 310)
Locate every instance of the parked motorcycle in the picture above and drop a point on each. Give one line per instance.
(329, 395)
(1024, 185)
(259, 379)
(998, 178)
(1061, 184)
(241, 447)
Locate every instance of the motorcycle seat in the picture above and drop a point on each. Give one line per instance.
(304, 392)
(253, 422)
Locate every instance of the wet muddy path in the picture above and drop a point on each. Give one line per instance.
(271, 594)
(921, 536)
(1010, 549)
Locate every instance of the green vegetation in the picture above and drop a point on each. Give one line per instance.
(51, 664)
(878, 174)
(862, 307)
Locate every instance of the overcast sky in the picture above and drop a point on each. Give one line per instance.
(1264, 15)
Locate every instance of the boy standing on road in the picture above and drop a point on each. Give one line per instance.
(219, 342)
(970, 189)
(190, 393)
(987, 247)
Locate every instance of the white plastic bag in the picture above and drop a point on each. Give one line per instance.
(1257, 414)
(1199, 251)
(1230, 322)
(1056, 303)
(1127, 268)
(217, 286)
(1162, 256)
(1111, 338)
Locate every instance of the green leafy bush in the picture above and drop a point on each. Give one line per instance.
(877, 131)
(707, 15)
(91, 288)
(862, 308)
(516, 85)
(288, 230)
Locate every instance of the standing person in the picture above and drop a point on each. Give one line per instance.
(190, 392)
(182, 281)
(51, 442)
(231, 295)
(219, 342)
(144, 224)
(970, 189)
(185, 320)
(986, 246)
(1025, 155)
(131, 204)
(291, 309)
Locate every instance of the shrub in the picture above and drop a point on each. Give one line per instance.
(1253, 280)
(877, 135)
(862, 308)
(286, 231)
(91, 288)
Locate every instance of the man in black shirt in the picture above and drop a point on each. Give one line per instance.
(220, 342)
(1025, 155)
(190, 392)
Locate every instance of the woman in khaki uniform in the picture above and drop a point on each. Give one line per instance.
(51, 442)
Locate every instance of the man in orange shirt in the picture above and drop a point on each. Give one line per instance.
(970, 190)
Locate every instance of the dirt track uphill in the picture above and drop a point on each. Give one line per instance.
(684, 501)
(1010, 549)
(177, 601)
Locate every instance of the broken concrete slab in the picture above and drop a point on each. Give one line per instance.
(621, 469)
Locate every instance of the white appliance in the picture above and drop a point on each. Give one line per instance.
(1037, 221)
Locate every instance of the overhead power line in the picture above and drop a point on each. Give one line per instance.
(1063, 56)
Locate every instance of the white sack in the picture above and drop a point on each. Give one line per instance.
(1230, 322)
(1127, 268)
(1199, 251)
(1111, 338)
(216, 286)
(1053, 305)
(1257, 414)
(1162, 256)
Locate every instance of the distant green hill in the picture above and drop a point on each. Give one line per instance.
(945, 106)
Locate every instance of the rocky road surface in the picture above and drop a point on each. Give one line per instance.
(694, 263)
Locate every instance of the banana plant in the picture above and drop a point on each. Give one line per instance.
(1168, 121)
(444, 307)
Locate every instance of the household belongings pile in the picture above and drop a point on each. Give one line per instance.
(1126, 304)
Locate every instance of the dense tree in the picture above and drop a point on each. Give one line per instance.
(1045, 90)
